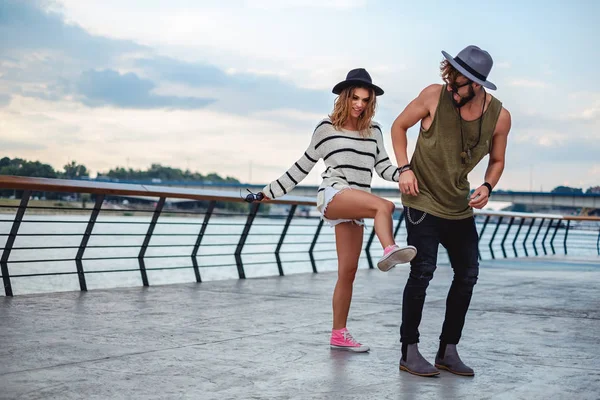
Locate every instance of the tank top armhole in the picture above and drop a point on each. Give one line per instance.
(496, 118)
(437, 109)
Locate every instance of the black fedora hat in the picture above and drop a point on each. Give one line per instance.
(357, 77)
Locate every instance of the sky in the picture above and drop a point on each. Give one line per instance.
(236, 87)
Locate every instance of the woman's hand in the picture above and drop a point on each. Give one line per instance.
(264, 197)
(408, 183)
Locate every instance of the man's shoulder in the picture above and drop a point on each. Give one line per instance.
(504, 122)
(503, 113)
(431, 94)
(432, 90)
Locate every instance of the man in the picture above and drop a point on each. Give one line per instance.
(459, 125)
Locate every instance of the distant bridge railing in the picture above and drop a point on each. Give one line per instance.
(106, 244)
(576, 200)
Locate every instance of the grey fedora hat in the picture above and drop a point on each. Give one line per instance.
(359, 77)
(474, 63)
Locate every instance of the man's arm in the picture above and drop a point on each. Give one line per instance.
(412, 114)
(496, 163)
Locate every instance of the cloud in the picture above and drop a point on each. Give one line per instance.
(31, 25)
(109, 87)
(8, 145)
(238, 92)
(193, 74)
(333, 4)
(42, 56)
(47, 58)
(290, 116)
(546, 148)
(103, 138)
(589, 113)
(4, 99)
(527, 83)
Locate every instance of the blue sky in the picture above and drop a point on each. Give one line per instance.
(236, 87)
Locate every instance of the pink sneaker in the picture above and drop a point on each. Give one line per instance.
(341, 339)
(394, 254)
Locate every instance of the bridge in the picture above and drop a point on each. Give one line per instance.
(588, 201)
(216, 304)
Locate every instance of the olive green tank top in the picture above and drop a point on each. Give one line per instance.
(437, 163)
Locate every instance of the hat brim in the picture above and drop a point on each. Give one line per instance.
(467, 74)
(337, 89)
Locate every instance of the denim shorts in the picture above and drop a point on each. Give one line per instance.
(330, 193)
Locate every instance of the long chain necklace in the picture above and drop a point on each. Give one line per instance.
(467, 154)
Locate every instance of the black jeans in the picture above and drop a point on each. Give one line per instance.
(460, 238)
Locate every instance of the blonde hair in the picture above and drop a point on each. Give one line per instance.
(343, 105)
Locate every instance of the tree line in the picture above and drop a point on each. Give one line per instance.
(74, 170)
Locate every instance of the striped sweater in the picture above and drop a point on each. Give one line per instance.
(349, 158)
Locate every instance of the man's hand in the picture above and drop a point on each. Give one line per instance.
(480, 197)
(408, 183)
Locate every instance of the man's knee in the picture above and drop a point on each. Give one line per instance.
(422, 273)
(468, 278)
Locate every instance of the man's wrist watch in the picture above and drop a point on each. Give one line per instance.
(489, 188)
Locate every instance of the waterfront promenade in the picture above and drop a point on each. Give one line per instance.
(533, 332)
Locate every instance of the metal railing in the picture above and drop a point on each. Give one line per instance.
(163, 241)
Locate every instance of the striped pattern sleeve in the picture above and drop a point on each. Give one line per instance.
(384, 167)
(296, 173)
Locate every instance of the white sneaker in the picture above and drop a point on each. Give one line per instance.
(396, 255)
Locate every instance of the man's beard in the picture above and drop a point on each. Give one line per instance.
(464, 100)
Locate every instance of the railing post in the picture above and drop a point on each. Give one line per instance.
(207, 215)
(487, 219)
(510, 223)
(514, 243)
(240, 246)
(554, 235)
(566, 234)
(157, 211)
(546, 235)
(312, 246)
(536, 235)
(493, 236)
(84, 241)
(10, 241)
(526, 236)
(598, 242)
(400, 220)
(368, 246)
(282, 237)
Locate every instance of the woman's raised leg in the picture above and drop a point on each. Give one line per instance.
(356, 204)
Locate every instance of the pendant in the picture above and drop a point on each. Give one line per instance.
(463, 155)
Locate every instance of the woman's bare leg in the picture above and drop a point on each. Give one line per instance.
(356, 204)
(348, 242)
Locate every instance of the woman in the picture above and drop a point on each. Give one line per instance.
(351, 145)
